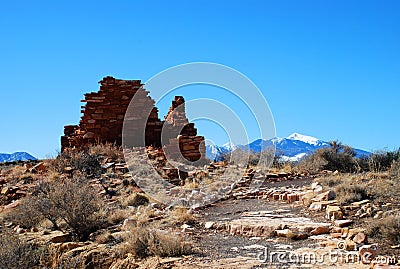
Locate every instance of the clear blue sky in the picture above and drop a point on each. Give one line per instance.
(330, 69)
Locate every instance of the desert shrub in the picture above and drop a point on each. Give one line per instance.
(135, 199)
(363, 164)
(26, 214)
(312, 164)
(79, 206)
(144, 242)
(71, 200)
(336, 157)
(82, 161)
(387, 229)
(383, 160)
(395, 169)
(16, 253)
(348, 192)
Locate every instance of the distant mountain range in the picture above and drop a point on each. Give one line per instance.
(17, 156)
(292, 148)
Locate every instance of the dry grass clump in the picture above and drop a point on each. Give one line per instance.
(144, 215)
(330, 180)
(179, 216)
(387, 229)
(347, 189)
(351, 188)
(104, 238)
(385, 189)
(117, 216)
(16, 253)
(135, 199)
(348, 192)
(145, 242)
(108, 150)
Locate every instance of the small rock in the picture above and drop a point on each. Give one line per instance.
(285, 233)
(14, 204)
(316, 206)
(325, 196)
(360, 238)
(320, 230)
(187, 228)
(345, 233)
(379, 215)
(318, 189)
(342, 223)
(40, 167)
(209, 224)
(293, 197)
(336, 235)
(333, 213)
(60, 238)
(5, 190)
(307, 197)
(300, 236)
(360, 203)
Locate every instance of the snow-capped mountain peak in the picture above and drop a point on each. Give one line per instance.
(229, 146)
(292, 148)
(304, 138)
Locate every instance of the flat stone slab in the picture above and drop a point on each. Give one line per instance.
(265, 223)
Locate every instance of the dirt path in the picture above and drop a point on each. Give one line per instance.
(216, 248)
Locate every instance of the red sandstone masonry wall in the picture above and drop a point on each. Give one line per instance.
(104, 112)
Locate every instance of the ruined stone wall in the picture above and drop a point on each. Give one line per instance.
(105, 110)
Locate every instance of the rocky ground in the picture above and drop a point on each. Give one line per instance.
(291, 221)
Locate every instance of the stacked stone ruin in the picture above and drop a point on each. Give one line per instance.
(105, 111)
